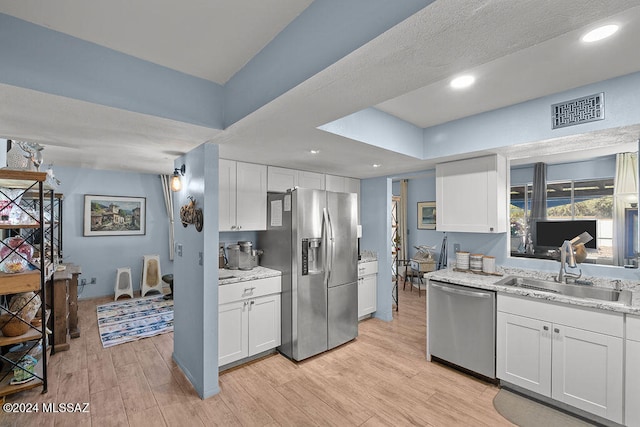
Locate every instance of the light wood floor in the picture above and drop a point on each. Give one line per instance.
(382, 378)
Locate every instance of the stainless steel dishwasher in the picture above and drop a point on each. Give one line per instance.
(462, 326)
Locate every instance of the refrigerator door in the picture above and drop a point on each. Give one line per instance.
(343, 243)
(342, 321)
(308, 292)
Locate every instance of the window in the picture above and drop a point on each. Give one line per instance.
(568, 200)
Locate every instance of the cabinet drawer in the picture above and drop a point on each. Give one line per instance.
(366, 268)
(633, 328)
(604, 322)
(249, 289)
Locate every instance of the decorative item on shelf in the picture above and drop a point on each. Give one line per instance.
(16, 254)
(33, 152)
(176, 182)
(189, 214)
(9, 200)
(22, 310)
(16, 156)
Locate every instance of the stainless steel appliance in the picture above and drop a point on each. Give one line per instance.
(462, 326)
(311, 238)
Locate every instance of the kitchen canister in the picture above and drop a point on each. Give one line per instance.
(462, 260)
(475, 262)
(489, 264)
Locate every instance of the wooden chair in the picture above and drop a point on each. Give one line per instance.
(123, 283)
(151, 275)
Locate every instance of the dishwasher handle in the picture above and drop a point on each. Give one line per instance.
(463, 292)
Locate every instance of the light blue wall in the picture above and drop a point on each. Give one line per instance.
(375, 199)
(531, 121)
(45, 60)
(382, 130)
(100, 256)
(196, 286)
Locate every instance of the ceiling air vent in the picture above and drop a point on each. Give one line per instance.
(577, 111)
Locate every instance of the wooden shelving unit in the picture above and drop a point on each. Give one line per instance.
(37, 197)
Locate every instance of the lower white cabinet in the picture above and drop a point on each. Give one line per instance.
(572, 355)
(249, 319)
(632, 372)
(367, 288)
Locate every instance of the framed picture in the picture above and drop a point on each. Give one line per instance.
(114, 216)
(426, 215)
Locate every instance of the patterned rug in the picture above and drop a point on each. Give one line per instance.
(132, 319)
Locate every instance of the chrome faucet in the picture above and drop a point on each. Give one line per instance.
(567, 259)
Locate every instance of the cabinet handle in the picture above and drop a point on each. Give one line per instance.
(546, 328)
(249, 290)
(556, 330)
(239, 227)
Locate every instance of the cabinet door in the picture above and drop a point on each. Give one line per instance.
(233, 332)
(227, 195)
(367, 294)
(251, 196)
(335, 183)
(523, 354)
(471, 195)
(311, 180)
(587, 371)
(632, 376)
(264, 323)
(281, 179)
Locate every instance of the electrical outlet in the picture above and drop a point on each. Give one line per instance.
(93, 281)
(200, 258)
(456, 247)
(83, 282)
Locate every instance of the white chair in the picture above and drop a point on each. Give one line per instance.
(151, 275)
(123, 283)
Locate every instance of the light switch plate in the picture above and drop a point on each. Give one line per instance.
(200, 258)
(179, 249)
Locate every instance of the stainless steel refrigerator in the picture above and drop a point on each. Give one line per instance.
(311, 238)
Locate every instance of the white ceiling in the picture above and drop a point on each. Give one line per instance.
(519, 50)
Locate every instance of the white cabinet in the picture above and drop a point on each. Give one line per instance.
(342, 184)
(242, 196)
(471, 195)
(632, 372)
(572, 355)
(249, 319)
(367, 288)
(282, 179)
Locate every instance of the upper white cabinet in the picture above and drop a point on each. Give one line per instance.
(242, 196)
(342, 184)
(282, 179)
(572, 355)
(471, 195)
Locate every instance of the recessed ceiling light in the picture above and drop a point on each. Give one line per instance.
(600, 33)
(314, 151)
(376, 165)
(462, 81)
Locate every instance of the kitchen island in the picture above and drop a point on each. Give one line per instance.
(571, 352)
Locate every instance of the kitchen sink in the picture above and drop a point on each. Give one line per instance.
(578, 291)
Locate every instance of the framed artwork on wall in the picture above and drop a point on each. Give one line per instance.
(114, 215)
(426, 215)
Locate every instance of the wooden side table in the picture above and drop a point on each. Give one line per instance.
(74, 328)
(58, 287)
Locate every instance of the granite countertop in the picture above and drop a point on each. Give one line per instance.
(226, 277)
(367, 256)
(489, 282)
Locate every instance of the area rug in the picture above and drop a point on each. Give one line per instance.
(526, 412)
(133, 319)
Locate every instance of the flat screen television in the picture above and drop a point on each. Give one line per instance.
(551, 234)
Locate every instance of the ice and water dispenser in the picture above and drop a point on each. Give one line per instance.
(311, 259)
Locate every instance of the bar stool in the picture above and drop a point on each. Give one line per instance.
(123, 283)
(151, 275)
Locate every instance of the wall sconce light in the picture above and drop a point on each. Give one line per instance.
(176, 182)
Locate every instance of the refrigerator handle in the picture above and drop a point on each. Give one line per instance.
(331, 244)
(326, 239)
